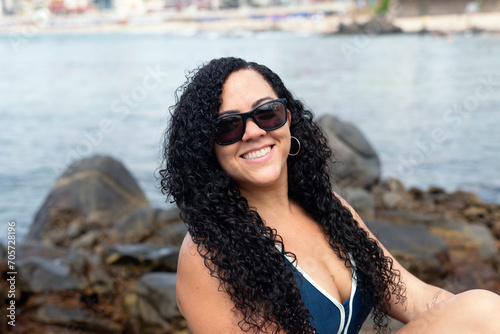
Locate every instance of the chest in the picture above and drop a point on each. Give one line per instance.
(316, 258)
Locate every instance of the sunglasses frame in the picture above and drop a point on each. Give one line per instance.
(251, 114)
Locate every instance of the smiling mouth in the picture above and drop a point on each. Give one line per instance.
(257, 154)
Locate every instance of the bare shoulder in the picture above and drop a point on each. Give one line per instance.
(194, 281)
(189, 258)
(206, 308)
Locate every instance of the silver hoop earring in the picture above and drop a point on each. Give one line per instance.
(298, 149)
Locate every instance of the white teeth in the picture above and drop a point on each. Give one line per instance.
(257, 154)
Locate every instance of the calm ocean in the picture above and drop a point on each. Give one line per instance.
(430, 106)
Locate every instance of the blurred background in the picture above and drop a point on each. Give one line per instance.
(84, 77)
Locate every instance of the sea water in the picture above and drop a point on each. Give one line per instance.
(429, 106)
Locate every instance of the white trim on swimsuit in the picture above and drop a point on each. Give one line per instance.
(330, 297)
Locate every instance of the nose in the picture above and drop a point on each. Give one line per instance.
(252, 131)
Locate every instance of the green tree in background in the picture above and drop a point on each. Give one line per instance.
(382, 8)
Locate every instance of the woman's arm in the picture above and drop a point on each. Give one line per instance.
(420, 295)
(432, 310)
(206, 308)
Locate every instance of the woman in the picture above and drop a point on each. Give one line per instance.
(270, 247)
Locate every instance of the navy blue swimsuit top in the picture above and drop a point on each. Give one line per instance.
(329, 316)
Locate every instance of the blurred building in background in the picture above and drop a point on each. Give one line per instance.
(128, 8)
(20, 7)
(433, 7)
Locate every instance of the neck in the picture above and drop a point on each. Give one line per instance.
(272, 203)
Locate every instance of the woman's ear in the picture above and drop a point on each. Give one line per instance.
(289, 117)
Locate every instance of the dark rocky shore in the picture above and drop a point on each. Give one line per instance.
(100, 259)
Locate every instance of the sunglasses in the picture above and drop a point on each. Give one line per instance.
(268, 116)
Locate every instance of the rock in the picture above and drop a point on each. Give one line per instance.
(495, 229)
(171, 235)
(3, 257)
(149, 225)
(92, 194)
(44, 268)
(486, 245)
(86, 241)
(438, 201)
(379, 26)
(37, 274)
(361, 200)
(99, 280)
(391, 200)
(4, 288)
(36, 249)
(473, 252)
(154, 302)
(94, 238)
(75, 320)
(456, 206)
(144, 258)
(75, 229)
(404, 217)
(472, 241)
(390, 194)
(418, 250)
(375, 26)
(475, 212)
(359, 165)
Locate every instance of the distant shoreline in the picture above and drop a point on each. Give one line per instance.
(310, 19)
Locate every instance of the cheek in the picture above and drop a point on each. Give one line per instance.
(218, 153)
(288, 137)
(222, 154)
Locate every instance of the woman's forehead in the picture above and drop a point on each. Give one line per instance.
(243, 88)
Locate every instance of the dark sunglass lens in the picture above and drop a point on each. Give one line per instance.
(270, 115)
(229, 128)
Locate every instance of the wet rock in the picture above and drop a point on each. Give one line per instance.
(92, 194)
(94, 239)
(375, 26)
(358, 164)
(75, 320)
(451, 205)
(4, 288)
(390, 194)
(45, 268)
(36, 249)
(418, 250)
(404, 217)
(3, 257)
(37, 274)
(86, 241)
(495, 229)
(149, 225)
(470, 241)
(148, 257)
(172, 235)
(99, 280)
(475, 212)
(153, 301)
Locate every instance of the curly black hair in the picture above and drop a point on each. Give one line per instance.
(237, 246)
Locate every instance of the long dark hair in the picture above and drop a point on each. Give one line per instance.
(237, 247)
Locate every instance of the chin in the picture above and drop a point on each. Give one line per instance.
(265, 179)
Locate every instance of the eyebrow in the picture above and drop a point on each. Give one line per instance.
(254, 105)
